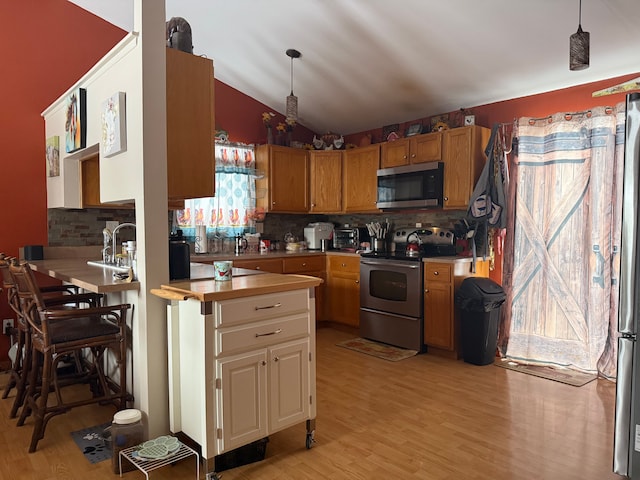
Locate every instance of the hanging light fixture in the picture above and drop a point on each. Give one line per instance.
(579, 47)
(292, 100)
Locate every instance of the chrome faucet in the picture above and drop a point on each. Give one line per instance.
(114, 241)
(106, 239)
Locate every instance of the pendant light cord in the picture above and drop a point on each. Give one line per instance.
(292, 73)
(579, 18)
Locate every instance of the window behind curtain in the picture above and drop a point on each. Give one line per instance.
(232, 211)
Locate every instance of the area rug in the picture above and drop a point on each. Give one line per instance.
(380, 350)
(563, 375)
(91, 443)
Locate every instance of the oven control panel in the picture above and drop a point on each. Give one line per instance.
(429, 235)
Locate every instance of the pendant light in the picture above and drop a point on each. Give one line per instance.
(292, 100)
(579, 47)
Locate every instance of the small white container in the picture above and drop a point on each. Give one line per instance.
(222, 270)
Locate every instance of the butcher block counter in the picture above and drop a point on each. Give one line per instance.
(241, 358)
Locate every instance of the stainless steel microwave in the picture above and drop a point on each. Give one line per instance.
(411, 186)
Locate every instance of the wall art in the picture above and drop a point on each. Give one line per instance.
(52, 154)
(75, 127)
(113, 138)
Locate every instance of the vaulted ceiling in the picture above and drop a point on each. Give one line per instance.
(368, 63)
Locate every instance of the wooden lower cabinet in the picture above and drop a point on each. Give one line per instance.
(278, 378)
(312, 265)
(271, 265)
(441, 317)
(343, 289)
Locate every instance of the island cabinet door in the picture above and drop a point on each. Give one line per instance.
(289, 400)
(243, 396)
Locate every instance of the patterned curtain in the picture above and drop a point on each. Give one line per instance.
(232, 211)
(562, 288)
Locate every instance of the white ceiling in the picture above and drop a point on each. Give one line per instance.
(369, 63)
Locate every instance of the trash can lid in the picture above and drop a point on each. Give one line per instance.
(480, 287)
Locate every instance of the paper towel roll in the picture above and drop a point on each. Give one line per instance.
(201, 239)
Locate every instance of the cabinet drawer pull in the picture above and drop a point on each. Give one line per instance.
(275, 332)
(269, 306)
(436, 273)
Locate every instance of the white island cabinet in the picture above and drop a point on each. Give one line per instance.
(241, 360)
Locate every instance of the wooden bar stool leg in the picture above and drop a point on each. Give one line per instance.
(21, 384)
(40, 403)
(31, 389)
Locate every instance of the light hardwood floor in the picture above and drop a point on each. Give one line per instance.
(421, 418)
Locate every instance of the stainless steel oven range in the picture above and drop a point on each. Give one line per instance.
(391, 286)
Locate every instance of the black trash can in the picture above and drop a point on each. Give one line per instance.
(479, 300)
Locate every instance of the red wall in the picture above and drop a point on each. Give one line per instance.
(46, 47)
(241, 116)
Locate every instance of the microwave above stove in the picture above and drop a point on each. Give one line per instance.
(411, 186)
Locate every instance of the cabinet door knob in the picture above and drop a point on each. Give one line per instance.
(413, 156)
(357, 281)
(263, 363)
(446, 199)
(304, 264)
(275, 359)
(436, 273)
(426, 290)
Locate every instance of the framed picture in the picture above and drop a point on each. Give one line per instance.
(113, 139)
(52, 154)
(414, 129)
(388, 130)
(75, 127)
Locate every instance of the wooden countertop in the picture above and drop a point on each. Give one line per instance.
(77, 272)
(240, 286)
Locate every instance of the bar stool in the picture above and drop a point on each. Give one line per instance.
(58, 296)
(85, 333)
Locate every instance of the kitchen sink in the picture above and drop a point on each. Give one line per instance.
(108, 266)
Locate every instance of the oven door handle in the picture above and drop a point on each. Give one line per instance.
(387, 263)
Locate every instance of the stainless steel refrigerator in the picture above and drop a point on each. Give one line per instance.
(626, 451)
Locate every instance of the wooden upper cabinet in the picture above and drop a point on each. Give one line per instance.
(464, 158)
(190, 125)
(396, 153)
(426, 148)
(325, 181)
(416, 149)
(90, 178)
(286, 179)
(360, 179)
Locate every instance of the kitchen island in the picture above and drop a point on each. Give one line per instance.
(241, 358)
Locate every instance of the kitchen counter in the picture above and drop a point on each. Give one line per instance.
(239, 286)
(77, 272)
(211, 257)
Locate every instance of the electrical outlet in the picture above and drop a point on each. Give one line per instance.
(7, 325)
(418, 225)
(112, 224)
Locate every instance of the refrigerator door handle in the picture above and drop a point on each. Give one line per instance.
(622, 425)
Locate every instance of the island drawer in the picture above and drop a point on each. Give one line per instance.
(260, 307)
(256, 335)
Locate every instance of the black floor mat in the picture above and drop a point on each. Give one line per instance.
(91, 444)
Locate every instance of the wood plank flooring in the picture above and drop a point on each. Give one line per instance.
(421, 418)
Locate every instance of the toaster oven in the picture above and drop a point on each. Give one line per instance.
(350, 238)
